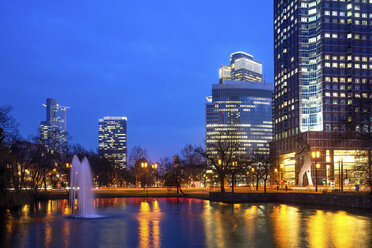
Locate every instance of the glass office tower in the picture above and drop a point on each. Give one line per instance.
(113, 139)
(53, 129)
(242, 112)
(323, 85)
(242, 68)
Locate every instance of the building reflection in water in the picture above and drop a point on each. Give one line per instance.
(168, 222)
(286, 223)
(149, 218)
(340, 229)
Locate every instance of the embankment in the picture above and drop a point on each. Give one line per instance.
(327, 200)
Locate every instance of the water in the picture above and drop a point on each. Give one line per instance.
(81, 190)
(168, 222)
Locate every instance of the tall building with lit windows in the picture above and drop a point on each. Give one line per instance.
(113, 139)
(242, 68)
(323, 87)
(240, 108)
(240, 111)
(53, 129)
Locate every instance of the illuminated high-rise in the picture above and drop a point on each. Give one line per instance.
(113, 140)
(53, 129)
(240, 108)
(323, 87)
(242, 68)
(241, 112)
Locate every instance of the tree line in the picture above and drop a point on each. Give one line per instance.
(29, 165)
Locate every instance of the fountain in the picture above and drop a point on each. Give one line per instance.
(81, 190)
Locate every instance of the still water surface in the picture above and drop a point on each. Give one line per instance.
(171, 222)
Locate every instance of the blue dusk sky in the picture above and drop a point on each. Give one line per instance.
(152, 61)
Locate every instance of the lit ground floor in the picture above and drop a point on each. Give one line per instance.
(320, 157)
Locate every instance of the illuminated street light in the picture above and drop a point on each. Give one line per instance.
(154, 166)
(219, 162)
(144, 164)
(316, 155)
(234, 165)
(317, 166)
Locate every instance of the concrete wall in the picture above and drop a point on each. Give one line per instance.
(329, 200)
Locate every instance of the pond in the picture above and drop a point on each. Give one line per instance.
(173, 222)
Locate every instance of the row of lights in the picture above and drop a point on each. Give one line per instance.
(145, 165)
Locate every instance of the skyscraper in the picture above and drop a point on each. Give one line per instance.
(113, 139)
(242, 68)
(240, 110)
(322, 97)
(53, 130)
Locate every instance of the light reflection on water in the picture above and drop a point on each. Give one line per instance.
(171, 222)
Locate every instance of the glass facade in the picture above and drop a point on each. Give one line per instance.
(322, 72)
(53, 130)
(240, 112)
(242, 68)
(113, 140)
(245, 68)
(224, 73)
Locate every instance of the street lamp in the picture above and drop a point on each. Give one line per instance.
(219, 162)
(234, 165)
(281, 174)
(341, 174)
(144, 166)
(154, 167)
(275, 176)
(316, 155)
(317, 166)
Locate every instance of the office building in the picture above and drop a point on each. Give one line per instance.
(242, 68)
(53, 129)
(240, 112)
(113, 140)
(323, 90)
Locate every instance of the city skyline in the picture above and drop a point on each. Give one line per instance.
(186, 123)
(155, 66)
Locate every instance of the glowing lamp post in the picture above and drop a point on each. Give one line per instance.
(316, 155)
(144, 166)
(154, 167)
(317, 166)
(234, 165)
(281, 173)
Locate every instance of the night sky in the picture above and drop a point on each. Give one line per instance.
(152, 61)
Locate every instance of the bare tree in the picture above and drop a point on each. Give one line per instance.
(192, 162)
(173, 175)
(136, 157)
(220, 156)
(8, 126)
(263, 167)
